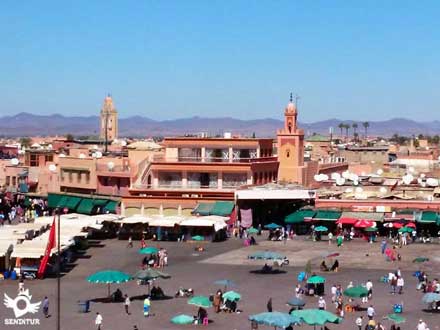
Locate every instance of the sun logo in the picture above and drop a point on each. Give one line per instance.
(26, 298)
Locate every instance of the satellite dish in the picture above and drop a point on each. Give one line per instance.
(94, 147)
(358, 190)
(52, 167)
(379, 171)
(335, 176)
(423, 175)
(324, 177)
(15, 162)
(355, 182)
(98, 154)
(348, 190)
(94, 154)
(346, 175)
(407, 179)
(340, 181)
(82, 156)
(383, 190)
(49, 146)
(123, 143)
(61, 155)
(354, 177)
(21, 152)
(110, 165)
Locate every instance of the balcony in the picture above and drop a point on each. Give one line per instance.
(163, 159)
(115, 171)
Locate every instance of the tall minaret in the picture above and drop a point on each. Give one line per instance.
(291, 147)
(109, 120)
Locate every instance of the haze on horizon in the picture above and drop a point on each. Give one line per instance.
(164, 60)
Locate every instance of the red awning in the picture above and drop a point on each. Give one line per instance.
(364, 224)
(346, 221)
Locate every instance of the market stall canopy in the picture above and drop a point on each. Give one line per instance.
(327, 215)
(299, 216)
(428, 217)
(170, 221)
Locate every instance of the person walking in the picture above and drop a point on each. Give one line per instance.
(330, 238)
(98, 321)
(321, 303)
(369, 286)
(359, 322)
(422, 325)
(46, 307)
(269, 305)
(147, 305)
(130, 242)
(393, 284)
(370, 312)
(383, 246)
(127, 304)
(400, 284)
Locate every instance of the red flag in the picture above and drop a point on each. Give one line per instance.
(50, 245)
(394, 185)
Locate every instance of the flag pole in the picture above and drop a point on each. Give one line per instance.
(58, 269)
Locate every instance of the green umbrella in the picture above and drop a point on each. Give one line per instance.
(231, 296)
(275, 319)
(316, 279)
(266, 255)
(406, 230)
(108, 277)
(148, 250)
(150, 274)
(182, 319)
(321, 228)
(198, 238)
(421, 259)
(356, 292)
(252, 230)
(316, 316)
(272, 226)
(371, 229)
(395, 318)
(200, 301)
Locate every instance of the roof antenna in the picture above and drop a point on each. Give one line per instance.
(291, 97)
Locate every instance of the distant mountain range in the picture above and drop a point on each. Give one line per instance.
(26, 124)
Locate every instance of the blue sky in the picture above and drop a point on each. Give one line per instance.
(366, 60)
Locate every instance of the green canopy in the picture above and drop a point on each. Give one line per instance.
(272, 226)
(298, 216)
(72, 202)
(316, 279)
(252, 230)
(316, 316)
(275, 319)
(198, 238)
(428, 217)
(53, 200)
(148, 250)
(420, 259)
(327, 215)
(111, 206)
(63, 201)
(150, 274)
(100, 202)
(200, 301)
(356, 292)
(85, 206)
(231, 296)
(406, 230)
(371, 229)
(182, 319)
(396, 318)
(222, 208)
(203, 208)
(108, 277)
(321, 228)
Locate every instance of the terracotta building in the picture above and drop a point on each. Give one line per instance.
(109, 120)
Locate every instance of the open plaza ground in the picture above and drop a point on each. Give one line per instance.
(359, 261)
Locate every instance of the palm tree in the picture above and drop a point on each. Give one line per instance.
(366, 124)
(355, 126)
(341, 127)
(347, 127)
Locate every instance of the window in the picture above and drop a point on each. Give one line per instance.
(70, 176)
(34, 160)
(288, 153)
(14, 181)
(48, 158)
(8, 180)
(87, 177)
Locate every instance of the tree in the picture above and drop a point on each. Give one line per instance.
(355, 126)
(366, 124)
(69, 137)
(25, 142)
(253, 135)
(341, 127)
(347, 127)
